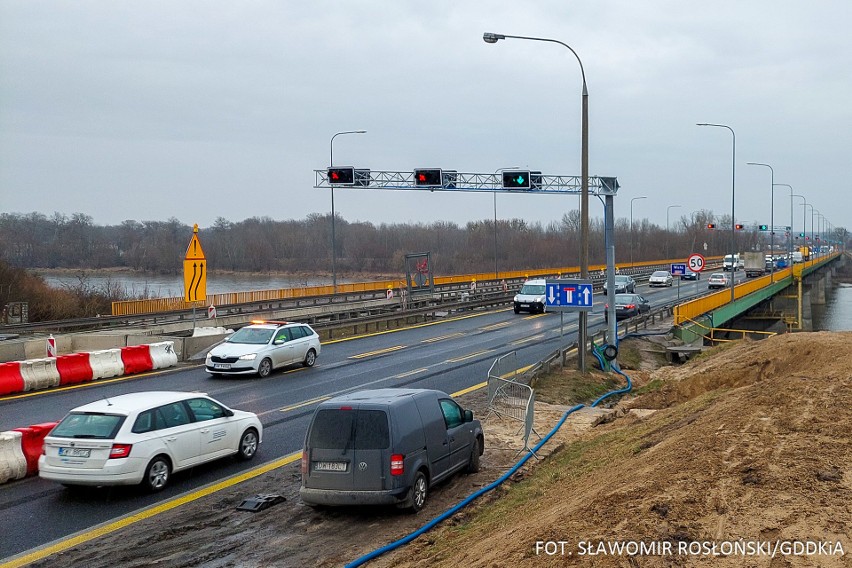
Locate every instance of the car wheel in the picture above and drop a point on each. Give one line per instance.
(248, 445)
(418, 493)
(157, 474)
(473, 463)
(264, 368)
(517, 310)
(310, 358)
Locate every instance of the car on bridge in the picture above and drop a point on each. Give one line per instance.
(624, 284)
(144, 437)
(660, 278)
(628, 306)
(718, 280)
(262, 347)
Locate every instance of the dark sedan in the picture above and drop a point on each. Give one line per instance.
(627, 306)
(623, 283)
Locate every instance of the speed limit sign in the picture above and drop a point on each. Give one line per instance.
(695, 262)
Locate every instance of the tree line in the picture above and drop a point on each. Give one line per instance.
(263, 244)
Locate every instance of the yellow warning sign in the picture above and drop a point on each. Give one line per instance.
(195, 270)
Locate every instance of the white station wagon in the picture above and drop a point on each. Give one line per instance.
(142, 438)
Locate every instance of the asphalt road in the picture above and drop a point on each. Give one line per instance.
(449, 355)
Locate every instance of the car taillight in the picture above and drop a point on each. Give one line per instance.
(397, 465)
(304, 462)
(630, 306)
(120, 451)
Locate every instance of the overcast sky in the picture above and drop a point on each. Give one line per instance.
(205, 109)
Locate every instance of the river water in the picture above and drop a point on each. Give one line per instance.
(836, 314)
(157, 286)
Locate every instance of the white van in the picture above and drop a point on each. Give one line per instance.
(531, 296)
(732, 262)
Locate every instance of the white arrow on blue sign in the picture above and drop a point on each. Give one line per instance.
(569, 295)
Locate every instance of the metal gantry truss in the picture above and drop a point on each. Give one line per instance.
(458, 181)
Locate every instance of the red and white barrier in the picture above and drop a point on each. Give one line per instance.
(13, 464)
(106, 364)
(163, 354)
(39, 374)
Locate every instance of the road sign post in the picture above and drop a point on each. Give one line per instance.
(194, 273)
(678, 270)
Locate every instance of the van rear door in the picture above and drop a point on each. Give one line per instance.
(348, 449)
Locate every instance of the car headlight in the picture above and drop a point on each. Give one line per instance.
(209, 357)
(248, 357)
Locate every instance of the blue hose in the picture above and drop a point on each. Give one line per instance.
(469, 499)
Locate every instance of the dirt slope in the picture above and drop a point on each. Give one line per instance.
(753, 442)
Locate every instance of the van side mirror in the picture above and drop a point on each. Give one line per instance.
(468, 415)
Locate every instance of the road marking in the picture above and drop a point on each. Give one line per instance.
(427, 324)
(379, 352)
(471, 356)
(110, 527)
(535, 316)
(306, 403)
(442, 337)
(409, 373)
(528, 339)
(96, 382)
(496, 326)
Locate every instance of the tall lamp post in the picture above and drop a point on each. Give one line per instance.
(791, 215)
(669, 208)
(584, 186)
(804, 210)
(497, 171)
(333, 237)
(771, 218)
(733, 198)
(631, 226)
(812, 220)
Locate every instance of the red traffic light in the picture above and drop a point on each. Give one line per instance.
(341, 176)
(711, 225)
(738, 227)
(428, 178)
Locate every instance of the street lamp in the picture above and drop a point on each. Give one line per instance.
(667, 227)
(804, 210)
(631, 226)
(584, 185)
(771, 218)
(333, 239)
(497, 171)
(733, 198)
(805, 228)
(791, 213)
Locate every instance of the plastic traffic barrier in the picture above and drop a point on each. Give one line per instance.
(39, 374)
(13, 464)
(32, 441)
(106, 363)
(136, 359)
(10, 378)
(163, 354)
(74, 368)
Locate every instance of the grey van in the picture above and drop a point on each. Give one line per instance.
(387, 447)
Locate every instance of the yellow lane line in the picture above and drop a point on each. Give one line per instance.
(469, 389)
(528, 339)
(306, 403)
(497, 326)
(409, 373)
(379, 352)
(113, 526)
(96, 382)
(535, 316)
(471, 356)
(442, 337)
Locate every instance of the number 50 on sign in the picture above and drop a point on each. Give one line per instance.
(695, 262)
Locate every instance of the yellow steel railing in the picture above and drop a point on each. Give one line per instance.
(713, 330)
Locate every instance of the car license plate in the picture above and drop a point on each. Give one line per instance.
(74, 452)
(223, 366)
(329, 466)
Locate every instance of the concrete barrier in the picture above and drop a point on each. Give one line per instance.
(74, 368)
(11, 380)
(32, 441)
(163, 354)
(136, 359)
(39, 374)
(106, 364)
(13, 464)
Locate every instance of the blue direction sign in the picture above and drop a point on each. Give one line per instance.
(678, 269)
(567, 294)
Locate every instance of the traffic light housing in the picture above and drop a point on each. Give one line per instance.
(341, 176)
(764, 227)
(428, 177)
(738, 227)
(801, 234)
(711, 225)
(516, 180)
